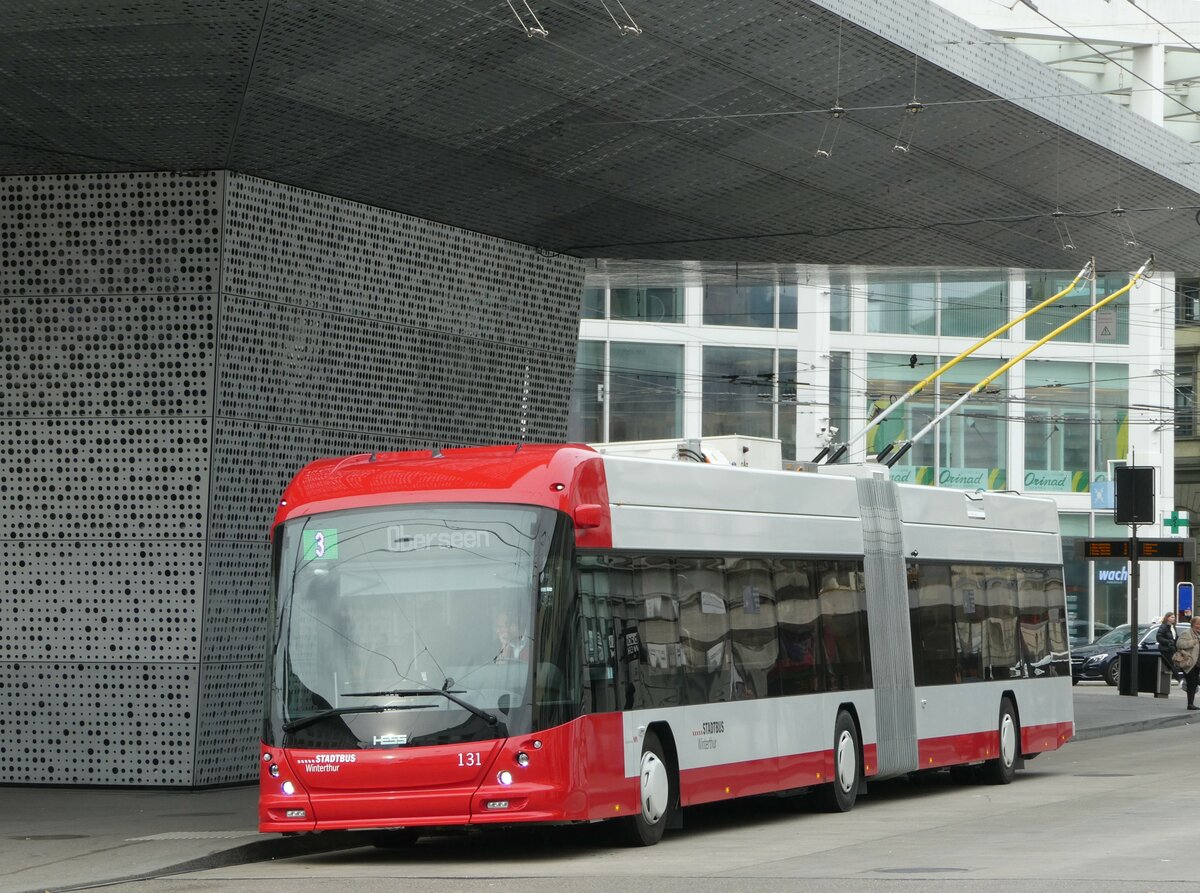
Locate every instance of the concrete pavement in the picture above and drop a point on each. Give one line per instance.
(64, 838)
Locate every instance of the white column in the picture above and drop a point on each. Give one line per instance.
(1149, 64)
(812, 346)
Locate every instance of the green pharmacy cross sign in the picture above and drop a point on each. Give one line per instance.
(1177, 522)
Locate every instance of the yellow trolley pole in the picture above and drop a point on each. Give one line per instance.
(907, 445)
(1087, 272)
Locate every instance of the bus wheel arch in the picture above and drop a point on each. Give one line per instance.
(846, 779)
(658, 789)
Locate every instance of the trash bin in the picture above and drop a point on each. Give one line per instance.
(1153, 676)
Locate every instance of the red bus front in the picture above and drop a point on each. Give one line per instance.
(424, 670)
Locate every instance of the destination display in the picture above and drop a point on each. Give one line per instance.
(1147, 549)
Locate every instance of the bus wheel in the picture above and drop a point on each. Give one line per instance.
(1002, 769)
(847, 766)
(657, 796)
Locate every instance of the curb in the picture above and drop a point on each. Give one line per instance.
(1142, 725)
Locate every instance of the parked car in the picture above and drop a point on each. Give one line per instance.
(1148, 645)
(1077, 632)
(1098, 660)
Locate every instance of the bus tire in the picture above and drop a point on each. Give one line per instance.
(1002, 769)
(658, 794)
(840, 794)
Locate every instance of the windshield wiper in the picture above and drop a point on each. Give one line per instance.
(294, 724)
(418, 692)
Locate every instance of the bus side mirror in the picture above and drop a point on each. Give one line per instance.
(588, 515)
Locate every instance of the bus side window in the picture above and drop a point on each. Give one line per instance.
(599, 657)
(660, 649)
(844, 639)
(753, 628)
(1035, 633)
(970, 611)
(931, 612)
(798, 615)
(1002, 652)
(1056, 622)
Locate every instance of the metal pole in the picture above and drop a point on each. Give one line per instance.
(1134, 654)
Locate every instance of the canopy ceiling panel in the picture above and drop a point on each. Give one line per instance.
(707, 136)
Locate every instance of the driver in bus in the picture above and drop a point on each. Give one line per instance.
(513, 645)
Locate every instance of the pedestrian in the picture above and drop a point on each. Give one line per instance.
(1165, 637)
(1187, 659)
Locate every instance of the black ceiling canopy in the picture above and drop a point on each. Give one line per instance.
(707, 136)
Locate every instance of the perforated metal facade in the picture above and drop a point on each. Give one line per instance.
(174, 348)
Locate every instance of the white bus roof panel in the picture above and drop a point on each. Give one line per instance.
(691, 485)
(942, 524)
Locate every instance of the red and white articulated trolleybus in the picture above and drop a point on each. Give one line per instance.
(547, 634)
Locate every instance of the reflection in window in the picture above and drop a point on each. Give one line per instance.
(798, 615)
(647, 304)
(738, 384)
(976, 436)
(739, 304)
(931, 614)
(1043, 623)
(839, 301)
(1185, 396)
(1112, 413)
(646, 386)
(786, 405)
(981, 622)
(753, 628)
(593, 303)
(843, 625)
(1057, 425)
(1187, 301)
(901, 304)
(1039, 287)
(1076, 570)
(888, 377)
(787, 306)
(670, 630)
(839, 393)
(1001, 654)
(585, 422)
(704, 632)
(973, 304)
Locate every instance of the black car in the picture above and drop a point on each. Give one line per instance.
(1099, 659)
(1077, 632)
(1148, 645)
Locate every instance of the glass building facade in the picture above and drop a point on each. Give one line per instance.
(809, 355)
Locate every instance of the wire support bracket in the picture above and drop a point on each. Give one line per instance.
(629, 26)
(533, 27)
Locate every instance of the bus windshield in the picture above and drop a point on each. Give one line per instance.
(406, 625)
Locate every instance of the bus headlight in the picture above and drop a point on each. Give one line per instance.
(505, 777)
(289, 788)
(522, 759)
